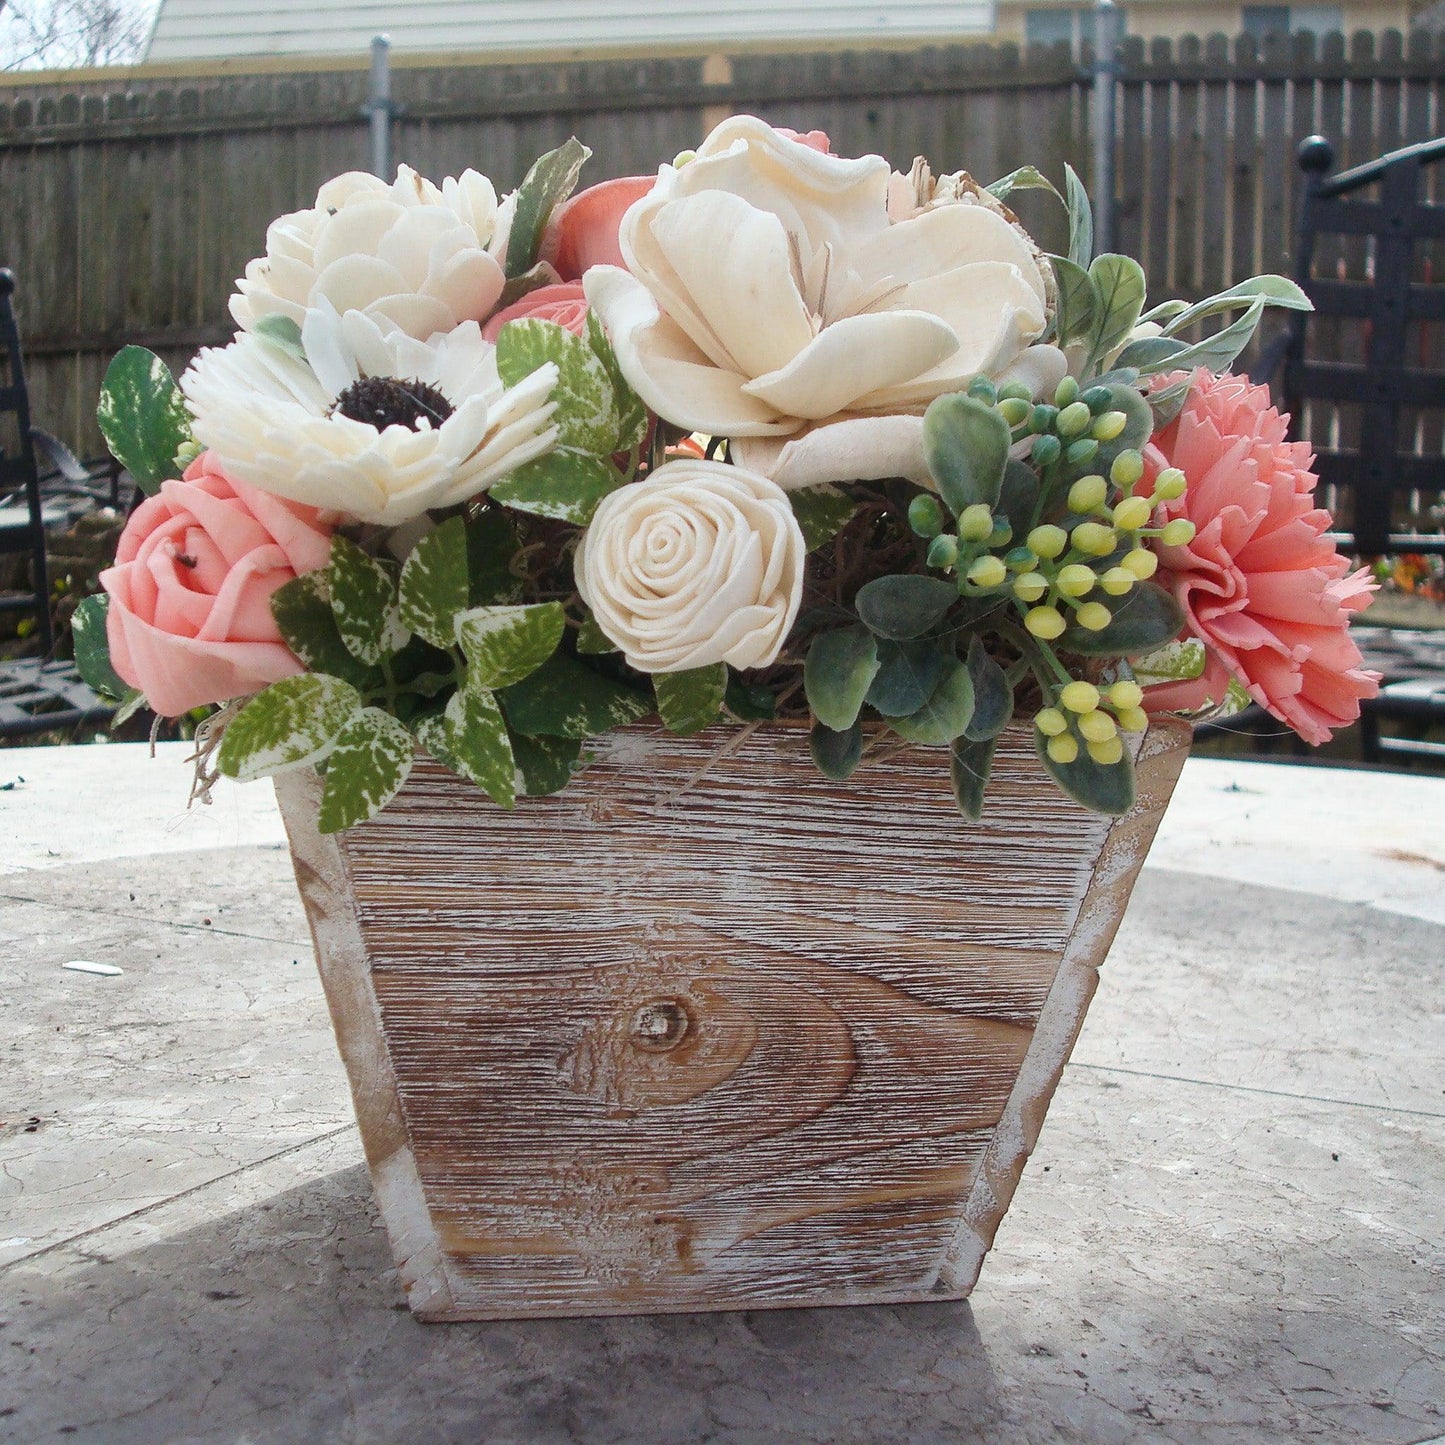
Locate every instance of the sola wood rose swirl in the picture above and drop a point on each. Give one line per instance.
(774, 434)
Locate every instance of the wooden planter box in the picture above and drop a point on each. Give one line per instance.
(710, 1032)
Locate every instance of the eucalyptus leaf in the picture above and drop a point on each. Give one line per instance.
(1100, 787)
(364, 602)
(92, 647)
(904, 604)
(1218, 352)
(283, 333)
(966, 444)
(947, 713)
(365, 770)
(907, 674)
(143, 416)
(837, 674)
(1078, 301)
(993, 695)
(1144, 618)
(1025, 178)
(565, 698)
(970, 765)
(545, 765)
(586, 417)
(1151, 354)
(1119, 286)
(1165, 312)
(302, 610)
(565, 485)
(434, 583)
(822, 513)
(552, 178)
(690, 701)
(1272, 290)
(290, 724)
(1081, 219)
(836, 753)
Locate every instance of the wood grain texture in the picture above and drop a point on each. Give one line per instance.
(704, 1037)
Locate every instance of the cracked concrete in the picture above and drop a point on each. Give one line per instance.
(1231, 1230)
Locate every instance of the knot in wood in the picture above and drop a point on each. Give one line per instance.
(660, 1024)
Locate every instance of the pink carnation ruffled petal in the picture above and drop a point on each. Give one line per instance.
(1261, 584)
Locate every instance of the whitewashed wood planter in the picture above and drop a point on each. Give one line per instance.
(679, 1039)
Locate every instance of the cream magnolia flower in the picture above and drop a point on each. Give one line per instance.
(697, 564)
(378, 425)
(769, 298)
(422, 256)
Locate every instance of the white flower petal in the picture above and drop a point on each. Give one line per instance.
(857, 449)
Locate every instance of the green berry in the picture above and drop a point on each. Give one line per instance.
(1080, 697)
(1082, 452)
(943, 551)
(1095, 539)
(1064, 748)
(1051, 722)
(1047, 450)
(1019, 559)
(1074, 420)
(1170, 484)
(982, 389)
(987, 571)
(1015, 391)
(1066, 392)
(1098, 399)
(925, 516)
(1043, 418)
(1141, 562)
(1177, 532)
(1133, 513)
(1030, 586)
(1128, 467)
(1045, 622)
(975, 522)
(1088, 494)
(1001, 535)
(1048, 541)
(1117, 581)
(1014, 410)
(1075, 580)
(1126, 694)
(1093, 617)
(1133, 719)
(1108, 752)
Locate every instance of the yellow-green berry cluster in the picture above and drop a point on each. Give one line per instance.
(1083, 716)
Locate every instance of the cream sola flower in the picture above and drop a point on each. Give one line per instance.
(769, 297)
(372, 423)
(426, 257)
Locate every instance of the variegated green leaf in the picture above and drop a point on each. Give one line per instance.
(586, 417)
(370, 762)
(545, 765)
(92, 647)
(503, 644)
(434, 583)
(822, 513)
(631, 409)
(1179, 661)
(292, 723)
(565, 698)
(302, 609)
(363, 601)
(592, 640)
(143, 417)
(690, 701)
(565, 485)
(471, 739)
(549, 182)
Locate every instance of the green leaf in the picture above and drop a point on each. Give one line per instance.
(1145, 617)
(1078, 302)
(586, 417)
(993, 695)
(966, 444)
(471, 739)
(631, 409)
(970, 765)
(945, 715)
(545, 765)
(292, 723)
(904, 604)
(1151, 353)
(1026, 178)
(435, 585)
(133, 701)
(836, 754)
(92, 647)
(750, 702)
(1217, 353)
(908, 672)
(690, 701)
(370, 762)
(822, 513)
(1272, 290)
(283, 333)
(1119, 285)
(565, 698)
(1168, 401)
(143, 416)
(1165, 312)
(502, 645)
(1179, 661)
(302, 609)
(552, 178)
(592, 640)
(363, 601)
(492, 547)
(565, 485)
(1019, 494)
(837, 674)
(1081, 219)
(1100, 787)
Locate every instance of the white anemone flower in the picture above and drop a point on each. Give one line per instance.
(426, 257)
(378, 425)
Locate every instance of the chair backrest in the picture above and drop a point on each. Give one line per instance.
(1364, 376)
(19, 475)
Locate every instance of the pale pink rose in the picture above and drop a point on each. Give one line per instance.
(564, 303)
(1261, 584)
(190, 592)
(583, 230)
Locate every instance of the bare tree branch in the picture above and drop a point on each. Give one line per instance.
(59, 34)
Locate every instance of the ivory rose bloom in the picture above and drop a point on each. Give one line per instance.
(1261, 584)
(769, 298)
(424, 257)
(697, 564)
(190, 618)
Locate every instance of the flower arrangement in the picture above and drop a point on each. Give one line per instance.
(774, 434)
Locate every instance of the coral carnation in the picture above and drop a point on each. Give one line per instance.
(1261, 583)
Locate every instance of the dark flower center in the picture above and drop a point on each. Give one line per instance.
(383, 401)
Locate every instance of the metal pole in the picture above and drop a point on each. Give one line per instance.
(1106, 68)
(379, 106)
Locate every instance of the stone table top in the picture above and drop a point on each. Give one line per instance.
(1231, 1229)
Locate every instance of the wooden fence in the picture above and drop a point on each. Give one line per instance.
(127, 206)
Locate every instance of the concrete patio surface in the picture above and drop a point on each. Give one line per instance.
(1233, 1228)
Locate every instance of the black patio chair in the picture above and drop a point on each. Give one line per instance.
(38, 693)
(1357, 379)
